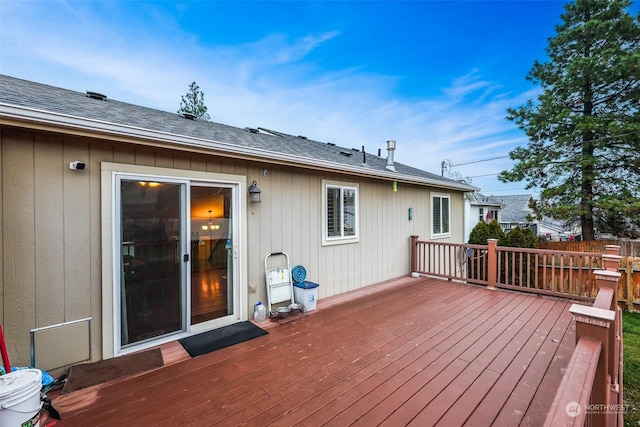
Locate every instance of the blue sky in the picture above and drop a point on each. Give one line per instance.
(436, 76)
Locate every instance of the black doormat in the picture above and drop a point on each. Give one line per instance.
(89, 374)
(209, 341)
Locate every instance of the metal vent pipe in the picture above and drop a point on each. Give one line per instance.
(391, 147)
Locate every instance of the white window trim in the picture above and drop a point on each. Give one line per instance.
(110, 342)
(327, 241)
(448, 233)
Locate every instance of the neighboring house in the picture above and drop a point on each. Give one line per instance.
(554, 230)
(140, 220)
(480, 208)
(516, 211)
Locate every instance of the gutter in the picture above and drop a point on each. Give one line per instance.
(12, 115)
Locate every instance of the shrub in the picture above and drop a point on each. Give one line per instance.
(483, 232)
(477, 257)
(518, 238)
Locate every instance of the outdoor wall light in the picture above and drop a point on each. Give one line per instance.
(254, 193)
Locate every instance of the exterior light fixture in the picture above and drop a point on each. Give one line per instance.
(254, 193)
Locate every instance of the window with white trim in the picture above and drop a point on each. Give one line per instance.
(481, 216)
(440, 215)
(340, 212)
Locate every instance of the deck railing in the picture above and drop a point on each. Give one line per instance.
(591, 390)
(542, 271)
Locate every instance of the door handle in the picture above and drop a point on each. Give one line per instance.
(185, 257)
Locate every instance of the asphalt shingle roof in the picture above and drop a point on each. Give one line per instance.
(50, 99)
(481, 199)
(516, 207)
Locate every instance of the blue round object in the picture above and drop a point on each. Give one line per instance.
(298, 273)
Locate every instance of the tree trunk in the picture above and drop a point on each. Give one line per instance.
(588, 150)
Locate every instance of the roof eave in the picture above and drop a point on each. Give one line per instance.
(51, 121)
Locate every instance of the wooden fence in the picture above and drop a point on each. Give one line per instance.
(629, 285)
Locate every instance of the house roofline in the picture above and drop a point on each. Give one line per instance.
(12, 115)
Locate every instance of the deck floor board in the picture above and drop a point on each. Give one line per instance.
(411, 351)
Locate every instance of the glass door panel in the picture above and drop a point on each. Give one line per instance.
(211, 260)
(151, 260)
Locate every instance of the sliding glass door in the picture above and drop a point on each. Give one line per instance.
(212, 293)
(151, 234)
(169, 282)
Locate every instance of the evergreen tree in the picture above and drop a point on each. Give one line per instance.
(193, 103)
(483, 232)
(521, 238)
(584, 129)
(477, 258)
(519, 267)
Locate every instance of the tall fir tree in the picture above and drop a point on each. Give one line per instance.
(584, 128)
(193, 103)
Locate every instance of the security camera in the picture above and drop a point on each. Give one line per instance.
(77, 165)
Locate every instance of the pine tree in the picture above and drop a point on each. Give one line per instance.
(584, 128)
(193, 103)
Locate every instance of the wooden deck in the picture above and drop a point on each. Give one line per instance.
(404, 352)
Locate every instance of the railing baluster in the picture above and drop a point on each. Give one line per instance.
(520, 281)
(571, 291)
(513, 267)
(553, 272)
(561, 274)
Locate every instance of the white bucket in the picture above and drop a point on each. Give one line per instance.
(20, 398)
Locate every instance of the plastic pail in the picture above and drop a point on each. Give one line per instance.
(20, 398)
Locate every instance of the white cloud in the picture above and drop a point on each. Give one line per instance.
(264, 83)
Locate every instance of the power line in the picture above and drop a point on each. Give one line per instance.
(448, 164)
(506, 157)
(482, 176)
(483, 160)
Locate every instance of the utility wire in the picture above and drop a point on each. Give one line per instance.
(480, 161)
(506, 157)
(482, 176)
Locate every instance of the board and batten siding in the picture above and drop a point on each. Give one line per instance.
(50, 218)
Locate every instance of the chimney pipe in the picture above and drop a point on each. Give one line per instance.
(391, 147)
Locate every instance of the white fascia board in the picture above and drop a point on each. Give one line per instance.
(103, 128)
